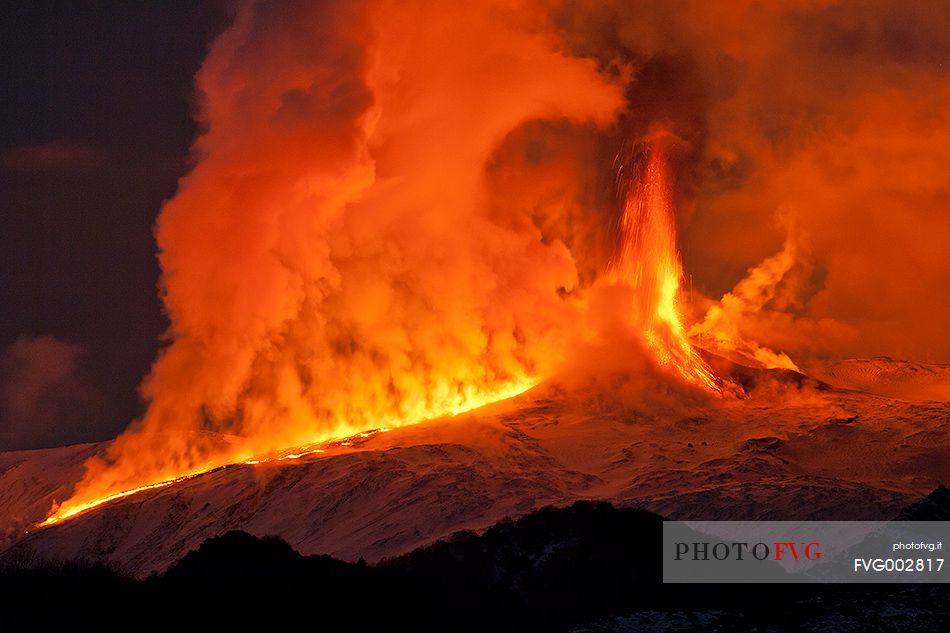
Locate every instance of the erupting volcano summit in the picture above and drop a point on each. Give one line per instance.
(431, 265)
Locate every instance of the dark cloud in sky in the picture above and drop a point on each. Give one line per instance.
(53, 157)
(46, 396)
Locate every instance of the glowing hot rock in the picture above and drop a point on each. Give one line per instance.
(649, 262)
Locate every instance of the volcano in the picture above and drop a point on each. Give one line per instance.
(785, 446)
(449, 292)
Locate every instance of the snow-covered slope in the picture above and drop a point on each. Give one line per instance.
(789, 447)
(888, 377)
(31, 480)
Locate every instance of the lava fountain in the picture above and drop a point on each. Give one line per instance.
(648, 260)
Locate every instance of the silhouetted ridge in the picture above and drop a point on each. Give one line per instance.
(588, 567)
(933, 507)
(549, 568)
(237, 553)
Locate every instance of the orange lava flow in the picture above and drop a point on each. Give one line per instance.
(78, 505)
(649, 261)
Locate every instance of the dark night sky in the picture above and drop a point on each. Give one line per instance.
(96, 104)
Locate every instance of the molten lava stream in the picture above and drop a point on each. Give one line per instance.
(78, 505)
(648, 261)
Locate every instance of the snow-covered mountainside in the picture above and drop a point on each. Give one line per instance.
(30, 480)
(786, 447)
(888, 377)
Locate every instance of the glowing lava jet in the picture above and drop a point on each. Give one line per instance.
(648, 261)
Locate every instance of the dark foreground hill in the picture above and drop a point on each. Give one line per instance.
(588, 567)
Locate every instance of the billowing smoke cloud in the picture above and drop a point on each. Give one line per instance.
(724, 328)
(397, 208)
(335, 261)
(44, 395)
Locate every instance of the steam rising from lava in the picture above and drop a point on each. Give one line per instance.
(396, 209)
(330, 264)
(721, 329)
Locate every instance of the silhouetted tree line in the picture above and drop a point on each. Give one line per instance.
(554, 570)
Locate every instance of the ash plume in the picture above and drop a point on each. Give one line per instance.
(333, 261)
(399, 210)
